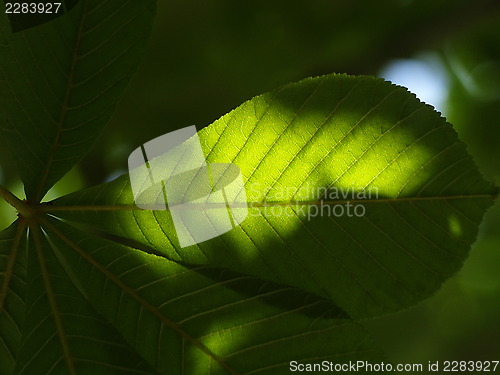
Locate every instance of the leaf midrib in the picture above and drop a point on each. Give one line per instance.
(11, 264)
(47, 208)
(61, 333)
(64, 105)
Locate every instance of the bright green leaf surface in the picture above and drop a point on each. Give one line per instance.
(299, 149)
(59, 83)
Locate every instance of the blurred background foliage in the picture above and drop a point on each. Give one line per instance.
(207, 57)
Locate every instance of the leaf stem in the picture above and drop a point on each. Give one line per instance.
(10, 198)
(22, 207)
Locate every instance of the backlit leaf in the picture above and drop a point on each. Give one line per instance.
(357, 192)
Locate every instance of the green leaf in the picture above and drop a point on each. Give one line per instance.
(78, 304)
(415, 195)
(60, 82)
(201, 320)
(12, 294)
(62, 333)
(361, 199)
